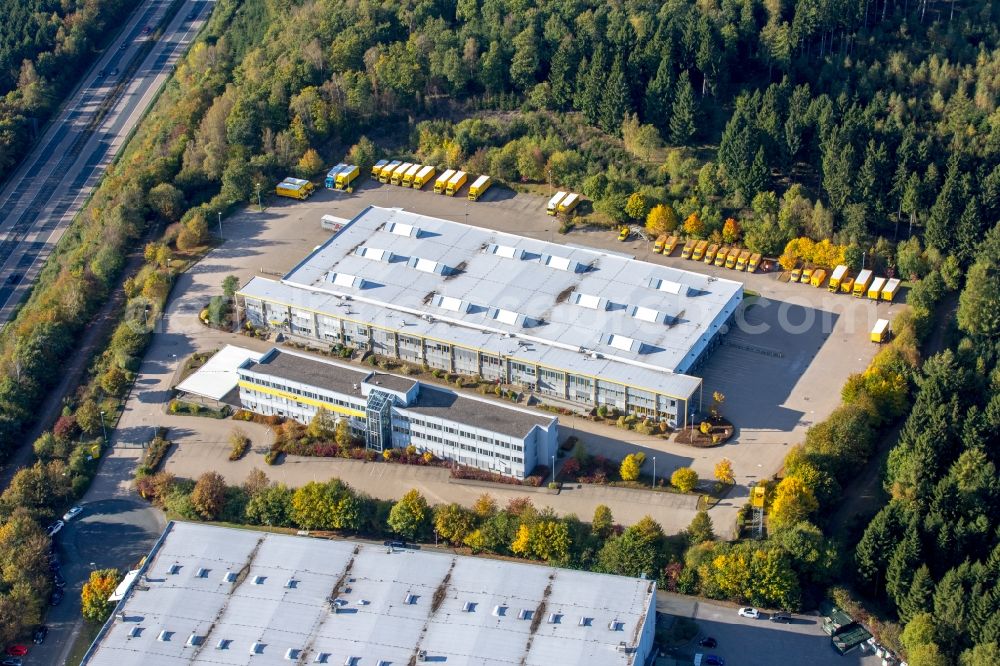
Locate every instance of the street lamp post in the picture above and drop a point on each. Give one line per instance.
(104, 428)
(654, 471)
(260, 206)
(220, 224)
(553, 469)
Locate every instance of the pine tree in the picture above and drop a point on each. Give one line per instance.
(758, 176)
(524, 64)
(560, 89)
(682, 117)
(656, 104)
(941, 221)
(920, 598)
(593, 86)
(968, 232)
(614, 101)
(899, 573)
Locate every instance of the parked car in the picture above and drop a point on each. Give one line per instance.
(56, 598)
(123, 46)
(54, 528)
(623, 234)
(747, 611)
(57, 579)
(714, 660)
(781, 617)
(14, 278)
(17, 650)
(72, 513)
(12, 661)
(39, 634)
(708, 642)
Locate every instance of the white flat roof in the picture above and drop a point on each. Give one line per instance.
(532, 278)
(348, 599)
(218, 376)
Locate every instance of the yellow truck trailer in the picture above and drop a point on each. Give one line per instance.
(733, 255)
(688, 249)
(839, 273)
(331, 176)
(890, 290)
(742, 259)
(753, 262)
(807, 274)
(720, 258)
(456, 183)
(710, 253)
(861, 283)
(410, 174)
(881, 331)
(346, 176)
(479, 187)
(847, 285)
(875, 288)
(818, 277)
(385, 175)
(658, 245)
(423, 177)
(699, 250)
(441, 184)
(377, 168)
(553, 206)
(399, 172)
(796, 273)
(569, 203)
(294, 188)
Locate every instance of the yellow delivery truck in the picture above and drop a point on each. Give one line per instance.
(410, 174)
(385, 175)
(553, 206)
(753, 263)
(699, 250)
(881, 331)
(658, 245)
(839, 273)
(733, 255)
(399, 172)
(818, 277)
(479, 187)
(890, 289)
(377, 169)
(569, 203)
(742, 259)
(456, 183)
(346, 176)
(441, 184)
(720, 258)
(294, 188)
(688, 249)
(423, 177)
(710, 253)
(861, 283)
(875, 288)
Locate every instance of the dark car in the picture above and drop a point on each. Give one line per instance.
(708, 642)
(14, 277)
(192, 16)
(714, 660)
(56, 598)
(57, 579)
(39, 634)
(11, 661)
(781, 617)
(123, 46)
(395, 544)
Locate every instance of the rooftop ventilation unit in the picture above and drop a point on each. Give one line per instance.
(589, 301)
(202, 572)
(554, 618)
(174, 569)
(164, 636)
(257, 648)
(259, 580)
(135, 632)
(291, 583)
(374, 253)
(559, 263)
(400, 229)
(586, 621)
(410, 599)
(230, 577)
(507, 251)
(500, 611)
(223, 644)
(668, 286)
(345, 280)
(322, 658)
(293, 654)
(469, 607)
(449, 303)
(194, 640)
(616, 625)
(647, 314)
(624, 343)
(525, 614)
(428, 266)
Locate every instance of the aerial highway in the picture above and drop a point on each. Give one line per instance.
(42, 197)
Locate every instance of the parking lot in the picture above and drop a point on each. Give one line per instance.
(781, 367)
(747, 642)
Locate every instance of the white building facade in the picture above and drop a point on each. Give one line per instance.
(392, 411)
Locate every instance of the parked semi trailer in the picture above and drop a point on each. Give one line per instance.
(890, 290)
(385, 175)
(875, 288)
(423, 177)
(569, 202)
(399, 172)
(377, 168)
(331, 176)
(294, 188)
(839, 273)
(861, 283)
(553, 206)
(347, 176)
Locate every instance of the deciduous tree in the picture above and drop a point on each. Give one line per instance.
(409, 515)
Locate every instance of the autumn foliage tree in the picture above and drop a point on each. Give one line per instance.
(95, 606)
(209, 495)
(684, 479)
(694, 226)
(661, 219)
(724, 471)
(410, 514)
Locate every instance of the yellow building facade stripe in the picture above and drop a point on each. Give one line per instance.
(329, 406)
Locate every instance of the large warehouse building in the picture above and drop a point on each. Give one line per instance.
(217, 595)
(571, 324)
(392, 411)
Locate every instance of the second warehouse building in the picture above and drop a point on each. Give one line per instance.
(573, 325)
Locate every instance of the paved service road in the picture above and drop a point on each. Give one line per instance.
(115, 530)
(45, 193)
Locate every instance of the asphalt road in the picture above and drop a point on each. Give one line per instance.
(41, 198)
